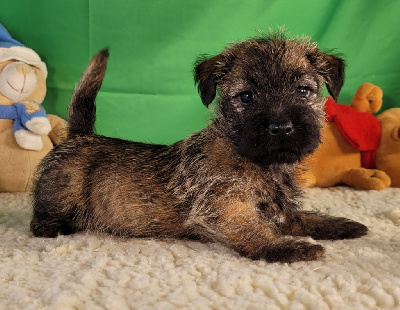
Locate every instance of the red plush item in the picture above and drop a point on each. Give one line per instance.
(360, 129)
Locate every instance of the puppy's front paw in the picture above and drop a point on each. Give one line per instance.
(340, 228)
(348, 229)
(290, 251)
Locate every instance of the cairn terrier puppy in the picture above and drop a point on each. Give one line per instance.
(232, 182)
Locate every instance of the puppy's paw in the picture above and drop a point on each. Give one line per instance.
(40, 229)
(348, 229)
(290, 251)
(337, 228)
(46, 226)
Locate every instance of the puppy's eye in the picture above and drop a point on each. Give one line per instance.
(246, 98)
(305, 92)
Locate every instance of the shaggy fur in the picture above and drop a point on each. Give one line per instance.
(232, 182)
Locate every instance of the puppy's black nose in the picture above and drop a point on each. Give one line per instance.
(281, 129)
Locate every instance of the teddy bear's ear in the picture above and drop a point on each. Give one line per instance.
(331, 68)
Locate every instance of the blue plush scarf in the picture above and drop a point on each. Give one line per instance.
(20, 115)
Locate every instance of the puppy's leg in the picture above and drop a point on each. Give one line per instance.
(239, 226)
(322, 227)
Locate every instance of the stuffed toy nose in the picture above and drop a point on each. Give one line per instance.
(24, 69)
(17, 81)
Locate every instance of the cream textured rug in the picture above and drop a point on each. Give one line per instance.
(88, 271)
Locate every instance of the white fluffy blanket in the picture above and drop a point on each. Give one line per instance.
(88, 271)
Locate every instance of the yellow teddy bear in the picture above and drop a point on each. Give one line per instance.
(27, 134)
(357, 149)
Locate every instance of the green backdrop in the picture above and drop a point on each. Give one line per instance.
(148, 93)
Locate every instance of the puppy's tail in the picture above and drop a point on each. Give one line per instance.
(82, 109)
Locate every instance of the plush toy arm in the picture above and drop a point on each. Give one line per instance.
(8, 112)
(33, 116)
(368, 98)
(59, 129)
(366, 179)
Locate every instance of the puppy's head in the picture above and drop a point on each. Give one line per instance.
(270, 103)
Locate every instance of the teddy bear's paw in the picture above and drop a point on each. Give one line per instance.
(381, 178)
(28, 140)
(368, 179)
(39, 125)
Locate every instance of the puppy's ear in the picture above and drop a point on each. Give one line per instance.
(331, 67)
(205, 76)
(208, 73)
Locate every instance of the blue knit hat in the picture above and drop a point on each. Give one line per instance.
(11, 49)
